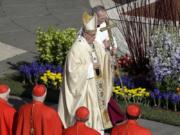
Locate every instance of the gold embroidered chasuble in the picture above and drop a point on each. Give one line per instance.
(79, 89)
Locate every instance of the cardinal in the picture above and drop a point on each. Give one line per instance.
(131, 126)
(36, 118)
(7, 112)
(80, 128)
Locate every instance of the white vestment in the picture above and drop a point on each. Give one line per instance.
(80, 88)
(103, 35)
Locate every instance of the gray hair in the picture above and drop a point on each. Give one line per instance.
(98, 8)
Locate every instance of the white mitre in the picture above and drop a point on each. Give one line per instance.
(89, 22)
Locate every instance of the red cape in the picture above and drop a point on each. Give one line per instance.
(115, 113)
(43, 119)
(80, 129)
(7, 113)
(130, 127)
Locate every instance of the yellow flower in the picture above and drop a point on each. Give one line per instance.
(48, 72)
(44, 79)
(120, 93)
(117, 87)
(147, 94)
(55, 83)
(115, 90)
(139, 95)
(126, 90)
(133, 92)
(58, 76)
(52, 77)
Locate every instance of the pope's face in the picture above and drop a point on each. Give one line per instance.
(90, 36)
(102, 16)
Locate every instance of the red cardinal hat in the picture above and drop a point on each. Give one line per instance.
(39, 90)
(4, 88)
(82, 113)
(133, 110)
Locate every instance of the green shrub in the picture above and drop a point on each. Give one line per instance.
(54, 44)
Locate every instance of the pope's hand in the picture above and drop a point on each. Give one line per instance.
(106, 44)
(113, 50)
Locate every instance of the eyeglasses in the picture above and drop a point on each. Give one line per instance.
(91, 34)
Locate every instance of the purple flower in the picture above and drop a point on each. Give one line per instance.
(166, 95)
(42, 69)
(159, 96)
(25, 70)
(35, 70)
(48, 67)
(59, 69)
(156, 91)
(174, 98)
(117, 82)
(178, 98)
(164, 54)
(132, 86)
(152, 95)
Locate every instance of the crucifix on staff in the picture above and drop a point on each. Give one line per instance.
(112, 42)
(112, 49)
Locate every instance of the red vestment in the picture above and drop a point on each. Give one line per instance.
(130, 127)
(7, 113)
(79, 128)
(39, 117)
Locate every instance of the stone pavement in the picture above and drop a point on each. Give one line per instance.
(19, 20)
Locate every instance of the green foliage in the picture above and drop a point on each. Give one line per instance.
(53, 44)
(14, 82)
(169, 83)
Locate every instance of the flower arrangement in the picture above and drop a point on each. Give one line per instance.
(31, 72)
(51, 79)
(138, 95)
(124, 80)
(132, 81)
(124, 61)
(164, 56)
(163, 99)
(130, 76)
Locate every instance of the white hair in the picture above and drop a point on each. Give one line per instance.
(5, 95)
(40, 98)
